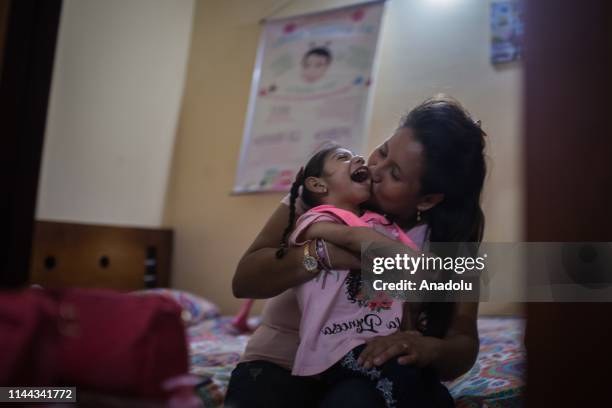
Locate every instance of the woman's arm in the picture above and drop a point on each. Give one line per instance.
(260, 275)
(457, 351)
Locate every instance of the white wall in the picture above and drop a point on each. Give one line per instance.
(115, 97)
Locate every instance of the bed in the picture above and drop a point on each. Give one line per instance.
(495, 381)
(66, 254)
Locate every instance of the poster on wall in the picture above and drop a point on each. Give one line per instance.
(507, 30)
(311, 86)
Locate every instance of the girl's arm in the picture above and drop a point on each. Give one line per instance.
(345, 236)
(260, 275)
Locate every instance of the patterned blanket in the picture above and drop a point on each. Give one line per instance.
(495, 381)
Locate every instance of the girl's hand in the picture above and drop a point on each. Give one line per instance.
(410, 346)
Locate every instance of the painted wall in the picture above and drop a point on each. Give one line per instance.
(115, 98)
(427, 47)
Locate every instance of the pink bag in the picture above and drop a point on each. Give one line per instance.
(99, 340)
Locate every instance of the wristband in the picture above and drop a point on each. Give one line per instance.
(323, 255)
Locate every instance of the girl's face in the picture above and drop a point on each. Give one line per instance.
(345, 180)
(396, 167)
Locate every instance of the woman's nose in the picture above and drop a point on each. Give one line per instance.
(375, 174)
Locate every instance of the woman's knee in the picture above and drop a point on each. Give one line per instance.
(405, 374)
(257, 384)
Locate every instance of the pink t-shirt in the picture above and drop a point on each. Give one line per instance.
(332, 324)
(277, 338)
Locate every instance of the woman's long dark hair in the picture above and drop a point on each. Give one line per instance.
(453, 144)
(314, 168)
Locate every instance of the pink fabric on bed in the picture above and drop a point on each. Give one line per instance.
(331, 324)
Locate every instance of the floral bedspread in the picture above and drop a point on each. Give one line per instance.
(497, 378)
(495, 381)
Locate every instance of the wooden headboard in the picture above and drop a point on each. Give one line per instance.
(81, 255)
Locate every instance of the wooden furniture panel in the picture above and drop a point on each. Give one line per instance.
(29, 39)
(80, 255)
(5, 6)
(568, 148)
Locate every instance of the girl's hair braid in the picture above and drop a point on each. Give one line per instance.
(295, 191)
(314, 168)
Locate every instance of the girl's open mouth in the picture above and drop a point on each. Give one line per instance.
(361, 174)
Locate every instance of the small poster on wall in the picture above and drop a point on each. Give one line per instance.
(311, 85)
(507, 30)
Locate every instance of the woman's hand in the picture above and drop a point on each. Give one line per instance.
(410, 346)
(450, 356)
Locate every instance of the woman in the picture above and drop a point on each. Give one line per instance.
(428, 174)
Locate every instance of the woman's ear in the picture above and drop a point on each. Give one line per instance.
(428, 201)
(316, 185)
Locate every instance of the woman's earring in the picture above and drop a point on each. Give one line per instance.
(418, 215)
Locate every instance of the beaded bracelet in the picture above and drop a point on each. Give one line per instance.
(323, 255)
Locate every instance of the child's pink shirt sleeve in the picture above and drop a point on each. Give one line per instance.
(306, 220)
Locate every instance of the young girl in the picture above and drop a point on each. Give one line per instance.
(336, 321)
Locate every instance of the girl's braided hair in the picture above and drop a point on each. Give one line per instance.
(314, 168)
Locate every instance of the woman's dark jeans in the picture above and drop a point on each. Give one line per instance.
(261, 384)
(389, 385)
(264, 384)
